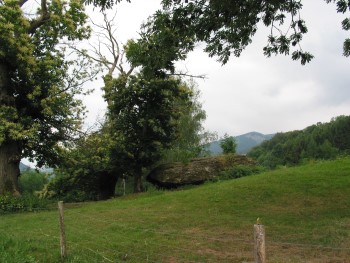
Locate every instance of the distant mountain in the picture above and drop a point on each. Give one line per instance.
(46, 170)
(23, 167)
(245, 142)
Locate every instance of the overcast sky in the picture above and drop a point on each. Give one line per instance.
(255, 93)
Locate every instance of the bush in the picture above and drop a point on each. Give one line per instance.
(31, 181)
(65, 188)
(26, 202)
(239, 171)
(77, 196)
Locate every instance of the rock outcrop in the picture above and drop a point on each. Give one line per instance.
(197, 171)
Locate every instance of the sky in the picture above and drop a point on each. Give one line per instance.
(252, 92)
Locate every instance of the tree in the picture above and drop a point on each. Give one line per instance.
(104, 4)
(143, 107)
(320, 141)
(228, 144)
(191, 138)
(31, 181)
(339, 132)
(38, 85)
(227, 27)
(143, 121)
(86, 170)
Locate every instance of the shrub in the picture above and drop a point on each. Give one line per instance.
(75, 188)
(31, 181)
(239, 171)
(26, 202)
(77, 196)
(228, 144)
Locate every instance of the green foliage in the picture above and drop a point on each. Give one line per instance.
(78, 187)
(159, 47)
(301, 205)
(227, 27)
(31, 181)
(143, 119)
(170, 118)
(86, 172)
(38, 104)
(104, 4)
(191, 138)
(239, 171)
(320, 141)
(228, 144)
(24, 203)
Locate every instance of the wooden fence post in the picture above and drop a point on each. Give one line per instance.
(62, 233)
(259, 244)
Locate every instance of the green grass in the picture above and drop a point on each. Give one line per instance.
(306, 212)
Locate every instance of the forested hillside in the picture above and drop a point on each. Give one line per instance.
(319, 141)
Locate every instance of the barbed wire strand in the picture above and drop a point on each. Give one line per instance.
(123, 244)
(310, 246)
(165, 233)
(146, 241)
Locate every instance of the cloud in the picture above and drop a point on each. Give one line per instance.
(255, 93)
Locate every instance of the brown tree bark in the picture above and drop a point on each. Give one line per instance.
(9, 167)
(10, 152)
(137, 180)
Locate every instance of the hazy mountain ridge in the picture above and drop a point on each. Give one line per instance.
(245, 142)
(23, 167)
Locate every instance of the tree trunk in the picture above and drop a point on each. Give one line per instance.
(107, 184)
(137, 180)
(10, 152)
(9, 167)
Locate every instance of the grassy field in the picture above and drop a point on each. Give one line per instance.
(306, 212)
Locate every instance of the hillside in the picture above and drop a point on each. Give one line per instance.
(305, 211)
(319, 141)
(245, 142)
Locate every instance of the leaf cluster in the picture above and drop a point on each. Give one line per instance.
(160, 45)
(38, 106)
(85, 171)
(103, 4)
(31, 181)
(228, 144)
(227, 27)
(191, 137)
(143, 118)
(25, 203)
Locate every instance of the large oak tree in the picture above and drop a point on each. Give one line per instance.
(38, 107)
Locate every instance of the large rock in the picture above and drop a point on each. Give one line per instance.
(197, 171)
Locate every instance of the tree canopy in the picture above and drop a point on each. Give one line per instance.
(146, 105)
(191, 139)
(38, 82)
(228, 144)
(227, 27)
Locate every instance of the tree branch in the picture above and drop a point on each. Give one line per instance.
(44, 17)
(20, 3)
(187, 75)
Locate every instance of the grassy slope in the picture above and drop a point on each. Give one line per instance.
(306, 211)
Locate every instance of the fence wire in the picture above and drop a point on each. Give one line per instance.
(120, 241)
